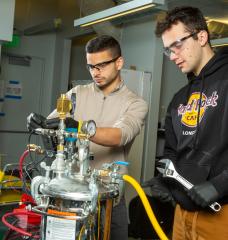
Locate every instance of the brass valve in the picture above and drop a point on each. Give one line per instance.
(64, 106)
(104, 173)
(35, 148)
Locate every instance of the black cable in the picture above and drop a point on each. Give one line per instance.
(25, 168)
(24, 181)
(34, 165)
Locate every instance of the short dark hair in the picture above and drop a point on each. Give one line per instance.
(191, 17)
(102, 43)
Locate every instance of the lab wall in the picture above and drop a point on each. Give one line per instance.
(140, 49)
(78, 69)
(35, 82)
(172, 80)
(138, 42)
(33, 13)
(43, 48)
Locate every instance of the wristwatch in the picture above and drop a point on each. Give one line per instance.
(89, 127)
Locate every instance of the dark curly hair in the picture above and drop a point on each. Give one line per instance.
(191, 17)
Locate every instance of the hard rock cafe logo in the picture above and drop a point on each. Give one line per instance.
(189, 112)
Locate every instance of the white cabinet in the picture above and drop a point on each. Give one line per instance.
(7, 8)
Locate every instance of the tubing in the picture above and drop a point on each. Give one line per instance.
(17, 229)
(21, 161)
(146, 205)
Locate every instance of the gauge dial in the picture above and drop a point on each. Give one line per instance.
(89, 127)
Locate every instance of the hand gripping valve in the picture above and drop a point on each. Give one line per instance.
(168, 170)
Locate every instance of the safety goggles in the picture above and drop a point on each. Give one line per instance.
(177, 45)
(100, 66)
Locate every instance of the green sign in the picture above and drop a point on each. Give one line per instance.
(14, 43)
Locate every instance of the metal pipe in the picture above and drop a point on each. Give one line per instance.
(108, 217)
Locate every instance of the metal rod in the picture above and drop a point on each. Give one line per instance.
(108, 217)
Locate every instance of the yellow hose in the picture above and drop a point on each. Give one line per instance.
(147, 206)
(2, 174)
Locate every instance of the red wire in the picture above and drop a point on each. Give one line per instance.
(21, 161)
(17, 229)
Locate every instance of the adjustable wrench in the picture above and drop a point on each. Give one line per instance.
(169, 171)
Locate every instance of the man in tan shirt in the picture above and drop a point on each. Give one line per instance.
(118, 112)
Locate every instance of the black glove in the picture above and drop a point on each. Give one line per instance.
(35, 120)
(159, 190)
(203, 194)
(71, 123)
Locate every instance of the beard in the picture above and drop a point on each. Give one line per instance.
(106, 82)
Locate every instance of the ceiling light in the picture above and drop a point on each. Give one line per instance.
(217, 29)
(219, 42)
(118, 11)
(220, 45)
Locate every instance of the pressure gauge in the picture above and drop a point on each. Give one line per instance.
(89, 127)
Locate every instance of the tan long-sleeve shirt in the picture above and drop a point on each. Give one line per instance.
(120, 109)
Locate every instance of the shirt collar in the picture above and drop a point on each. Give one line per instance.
(118, 87)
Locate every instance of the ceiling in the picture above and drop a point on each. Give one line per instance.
(32, 11)
(214, 9)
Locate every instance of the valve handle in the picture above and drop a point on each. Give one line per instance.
(122, 163)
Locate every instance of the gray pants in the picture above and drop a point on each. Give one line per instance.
(119, 223)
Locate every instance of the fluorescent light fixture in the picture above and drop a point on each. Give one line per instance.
(220, 45)
(219, 42)
(118, 11)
